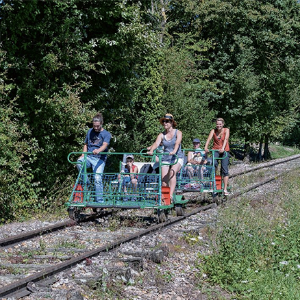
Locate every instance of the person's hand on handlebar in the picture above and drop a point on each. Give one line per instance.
(96, 151)
(149, 152)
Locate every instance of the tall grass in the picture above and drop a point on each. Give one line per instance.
(279, 151)
(257, 245)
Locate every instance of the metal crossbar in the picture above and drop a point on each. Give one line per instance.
(116, 189)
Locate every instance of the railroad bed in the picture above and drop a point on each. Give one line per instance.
(169, 246)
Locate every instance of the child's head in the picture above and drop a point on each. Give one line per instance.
(196, 143)
(129, 158)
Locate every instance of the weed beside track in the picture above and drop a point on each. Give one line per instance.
(256, 244)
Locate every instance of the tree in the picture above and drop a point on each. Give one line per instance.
(183, 78)
(67, 60)
(250, 61)
(17, 190)
(258, 41)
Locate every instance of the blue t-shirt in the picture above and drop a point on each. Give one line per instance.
(95, 140)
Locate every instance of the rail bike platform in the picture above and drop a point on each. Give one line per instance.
(202, 177)
(116, 189)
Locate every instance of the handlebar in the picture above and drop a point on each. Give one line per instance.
(85, 154)
(121, 153)
(78, 153)
(223, 157)
(212, 151)
(159, 154)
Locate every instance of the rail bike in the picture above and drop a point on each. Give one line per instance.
(114, 189)
(202, 178)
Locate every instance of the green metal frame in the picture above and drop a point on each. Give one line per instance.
(204, 181)
(116, 193)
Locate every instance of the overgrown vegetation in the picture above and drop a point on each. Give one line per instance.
(62, 61)
(256, 245)
(279, 151)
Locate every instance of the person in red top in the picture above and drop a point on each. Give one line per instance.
(130, 171)
(220, 136)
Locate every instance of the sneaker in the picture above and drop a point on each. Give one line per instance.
(226, 193)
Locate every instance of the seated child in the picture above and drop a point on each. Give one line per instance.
(196, 159)
(131, 172)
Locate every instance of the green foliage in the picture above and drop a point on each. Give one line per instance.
(251, 61)
(184, 83)
(257, 251)
(17, 152)
(67, 60)
(63, 61)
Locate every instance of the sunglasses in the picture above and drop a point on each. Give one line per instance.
(166, 121)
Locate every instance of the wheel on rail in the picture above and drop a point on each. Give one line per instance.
(216, 198)
(161, 216)
(179, 210)
(74, 213)
(98, 210)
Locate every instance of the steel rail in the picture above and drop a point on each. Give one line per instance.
(265, 166)
(14, 287)
(20, 286)
(10, 241)
(30, 234)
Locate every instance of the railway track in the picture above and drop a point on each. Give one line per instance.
(45, 254)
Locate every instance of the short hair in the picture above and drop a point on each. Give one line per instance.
(221, 119)
(98, 118)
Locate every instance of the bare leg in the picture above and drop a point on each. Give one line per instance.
(190, 172)
(172, 183)
(165, 175)
(134, 184)
(225, 179)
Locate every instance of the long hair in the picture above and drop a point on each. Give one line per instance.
(98, 118)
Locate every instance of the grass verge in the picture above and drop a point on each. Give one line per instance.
(257, 245)
(280, 151)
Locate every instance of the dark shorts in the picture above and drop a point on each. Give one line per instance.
(224, 162)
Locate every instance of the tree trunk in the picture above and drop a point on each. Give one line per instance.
(247, 157)
(259, 154)
(163, 21)
(267, 154)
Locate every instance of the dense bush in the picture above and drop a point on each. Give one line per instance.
(63, 61)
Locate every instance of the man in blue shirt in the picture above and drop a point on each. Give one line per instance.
(96, 141)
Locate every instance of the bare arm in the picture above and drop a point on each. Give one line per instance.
(155, 144)
(208, 140)
(84, 150)
(101, 149)
(225, 140)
